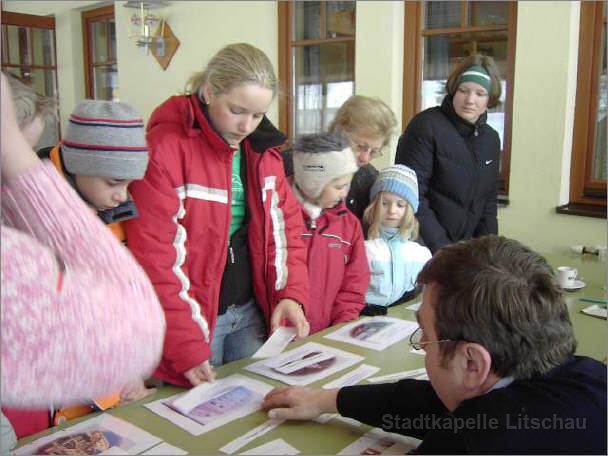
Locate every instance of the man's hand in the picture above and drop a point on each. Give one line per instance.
(288, 309)
(299, 402)
(201, 373)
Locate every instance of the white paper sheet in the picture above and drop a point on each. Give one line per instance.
(352, 377)
(164, 449)
(376, 333)
(596, 311)
(414, 306)
(174, 417)
(103, 434)
(215, 404)
(275, 447)
(305, 364)
(418, 374)
(378, 441)
(276, 343)
(250, 436)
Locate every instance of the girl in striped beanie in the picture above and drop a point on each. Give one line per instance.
(394, 258)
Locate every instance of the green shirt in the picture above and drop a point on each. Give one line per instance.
(237, 205)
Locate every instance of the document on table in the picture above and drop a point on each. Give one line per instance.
(275, 447)
(353, 377)
(414, 306)
(418, 374)
(276, 343)
(596, 311)
(211, 405)
(104, 433)
(250, 436)
(164, 449)
(376, 333)
(305, 364)
(378, 441)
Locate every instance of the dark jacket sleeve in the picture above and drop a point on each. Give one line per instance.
(393, 406)
(416, 149)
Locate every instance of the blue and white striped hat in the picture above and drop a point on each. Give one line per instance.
(105, 139)
(400, 180)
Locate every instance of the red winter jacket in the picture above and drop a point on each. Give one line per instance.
(181, 234)
(337, 267)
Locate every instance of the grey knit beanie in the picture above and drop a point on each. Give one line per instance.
(320, 158)
(400, 180)
(105, 139)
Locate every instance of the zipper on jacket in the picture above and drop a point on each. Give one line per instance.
(231, 254)
(476, 132)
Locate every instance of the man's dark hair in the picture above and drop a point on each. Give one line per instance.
(500, 294)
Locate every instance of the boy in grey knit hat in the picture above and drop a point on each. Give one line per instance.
(103, 150)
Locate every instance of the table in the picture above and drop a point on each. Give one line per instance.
(331, 437)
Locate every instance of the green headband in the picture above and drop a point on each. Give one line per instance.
(477, 74)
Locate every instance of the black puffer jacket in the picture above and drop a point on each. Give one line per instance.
(457, 165)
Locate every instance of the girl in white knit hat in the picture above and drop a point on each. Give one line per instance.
(395, 259)
(324, 165)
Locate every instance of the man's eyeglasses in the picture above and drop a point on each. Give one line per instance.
(416, 337)
(364, 148)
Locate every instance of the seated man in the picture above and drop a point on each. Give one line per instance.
(499, 355)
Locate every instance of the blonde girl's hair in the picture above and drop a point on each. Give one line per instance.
(233, 65)
(408, 227)
(29, 104)
(365, 115)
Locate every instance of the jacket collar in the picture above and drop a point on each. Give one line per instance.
(264, 137)
(464, 127)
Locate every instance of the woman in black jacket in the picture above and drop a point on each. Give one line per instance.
(455, 154)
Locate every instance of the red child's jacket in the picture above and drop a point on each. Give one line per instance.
(337, 267)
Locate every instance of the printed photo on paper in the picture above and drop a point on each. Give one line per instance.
(305, 364)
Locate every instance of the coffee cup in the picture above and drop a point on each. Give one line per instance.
(566, 276)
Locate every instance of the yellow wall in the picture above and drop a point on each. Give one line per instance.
(544, 87)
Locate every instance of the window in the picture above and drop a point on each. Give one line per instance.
(316, 63)
(438, 35)
(28, 52)
(588, 165)
(99, 43)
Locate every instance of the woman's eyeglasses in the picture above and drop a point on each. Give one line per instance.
(364, 149)
(416, 337)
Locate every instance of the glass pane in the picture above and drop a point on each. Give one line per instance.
(442, 53)
(43, 44)
(323, 80)
(112, 40)
(4, 45)
(340, 19)
(19, 49)
(488, 13)
(442, 14)
(99, 38)
(600, 146)
(306, 20)
(106, 83)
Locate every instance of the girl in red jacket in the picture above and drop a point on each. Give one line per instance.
(219, 229)
(324, 165)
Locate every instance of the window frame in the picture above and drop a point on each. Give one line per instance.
(412, 71)
(286, 44)
(587, 197)
(88, 18)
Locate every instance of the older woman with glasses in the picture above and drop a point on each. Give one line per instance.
(368, 123)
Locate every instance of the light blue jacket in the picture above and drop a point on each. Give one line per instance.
(394, 265)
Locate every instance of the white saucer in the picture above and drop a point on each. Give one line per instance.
(577, 285)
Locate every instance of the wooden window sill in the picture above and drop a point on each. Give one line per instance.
(585, 210)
